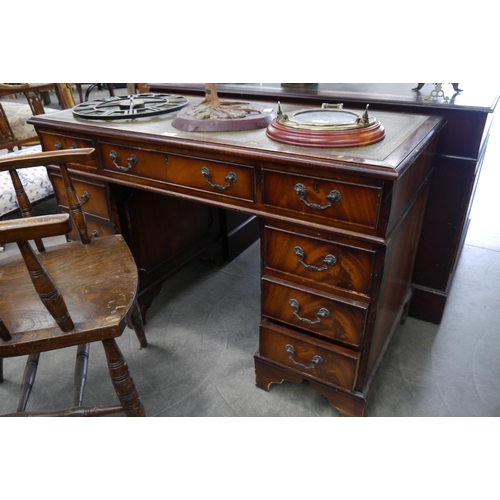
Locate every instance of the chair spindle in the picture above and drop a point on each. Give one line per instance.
(75, 206)
(46, 288)
(24, 203)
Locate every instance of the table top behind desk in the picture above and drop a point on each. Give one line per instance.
(474, 96)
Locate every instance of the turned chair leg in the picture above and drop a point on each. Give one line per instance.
(28, 380)
(122, 380)
(80, 376)
(135, 322)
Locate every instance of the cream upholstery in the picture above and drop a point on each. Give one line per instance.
(35, 181)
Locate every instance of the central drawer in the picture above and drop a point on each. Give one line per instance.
(221, 178)
(329, 316)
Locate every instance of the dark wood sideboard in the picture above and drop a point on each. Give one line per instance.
(336, 256)
(459, 159)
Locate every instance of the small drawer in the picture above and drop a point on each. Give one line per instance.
(317, 359)
(338, 265)
(342, 201)
(99, 227)
(59, 142)
(224, 179)
(92, 195)
(329, 316)
(96, 227)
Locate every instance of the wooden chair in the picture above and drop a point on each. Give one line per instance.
(69, 294)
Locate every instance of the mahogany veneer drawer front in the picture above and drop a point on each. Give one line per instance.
(225, 179)
(97, 227)
(92, 196)
(338, 265)
(329, 316)
(320, 360)
(348, 202)
(52, 142)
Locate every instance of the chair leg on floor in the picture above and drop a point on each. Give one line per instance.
(80, 377)
(122, 380)
(28, 380)
(135, 323)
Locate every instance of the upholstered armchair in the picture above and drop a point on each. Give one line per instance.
(14, 129)
(15, 132)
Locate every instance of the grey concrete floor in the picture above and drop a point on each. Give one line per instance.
(203, 333)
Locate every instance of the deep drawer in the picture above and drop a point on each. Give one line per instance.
(335, 318)
(335, 264)
(314, 358)
(224, 179)
(346, 202)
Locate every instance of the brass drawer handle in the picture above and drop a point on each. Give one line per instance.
(131, 161)
(315, 360)
(332, 197)
(329, 260)
(58, 145)
(230, 178)
(84, 198)
(322, 313)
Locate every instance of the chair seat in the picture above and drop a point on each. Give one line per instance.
(95, 319)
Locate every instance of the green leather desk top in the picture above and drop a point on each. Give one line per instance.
(398, 128)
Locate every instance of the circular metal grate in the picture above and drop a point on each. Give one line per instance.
(129, 107)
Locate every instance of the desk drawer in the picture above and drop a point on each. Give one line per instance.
(329, 316)
(96, 227)
(347, 202)
(224, 179)
(314, 358)
(52, 142)
(92, 195)
(334, 264)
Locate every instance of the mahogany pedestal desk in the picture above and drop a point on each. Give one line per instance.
(459, 159)
(337, 255)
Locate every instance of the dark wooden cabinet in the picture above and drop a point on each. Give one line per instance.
(459, 159)
(339, 230)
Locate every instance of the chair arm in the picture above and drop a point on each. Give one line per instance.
(30, 228)
(12, 89)
(45, 158)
